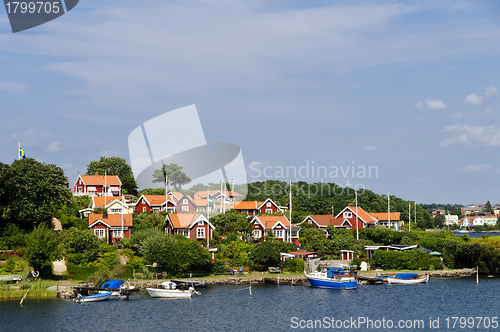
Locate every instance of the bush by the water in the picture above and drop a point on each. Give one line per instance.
(415, 259)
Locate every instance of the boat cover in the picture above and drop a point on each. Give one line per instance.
(406, 276)
(334, 271)
(112, 284)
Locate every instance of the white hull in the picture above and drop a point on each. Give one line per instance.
(418, 280)
(170, 293)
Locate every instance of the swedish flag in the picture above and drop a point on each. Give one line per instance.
(210, 201)
(21, 154)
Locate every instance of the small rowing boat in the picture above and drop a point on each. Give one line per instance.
(93, 298)
(408, 278)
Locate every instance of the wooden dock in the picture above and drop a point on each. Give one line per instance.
(284, 281)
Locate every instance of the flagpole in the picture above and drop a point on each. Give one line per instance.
(415, 207)
(409, 217)
(221, 194)
(389, 210)
(357, 228)
(208, 217)
(123, 198)
(105, 188)
(290, 211)
(19, 152)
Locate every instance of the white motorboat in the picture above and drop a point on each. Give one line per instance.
(170, 290)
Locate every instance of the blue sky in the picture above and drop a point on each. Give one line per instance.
(410, 88)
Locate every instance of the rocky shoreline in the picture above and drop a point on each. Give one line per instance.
(69, 292)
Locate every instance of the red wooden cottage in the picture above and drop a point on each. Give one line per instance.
(279, 225)
(323, 221)
(108, 227)
(192, 226)
(254, 208)
(356, 218)
(154, 203)
(94, 185)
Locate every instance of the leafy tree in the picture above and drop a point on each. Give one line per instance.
(115, 166)
(155, 219)
(31, 192)
(231, 222)
(488, 208)
(42, 249)
(439, 220)
(184, 255)
(80, 247)
(153, 246)
(175, 176)
(267, 253)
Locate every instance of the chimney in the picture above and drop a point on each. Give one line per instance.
(105, 214)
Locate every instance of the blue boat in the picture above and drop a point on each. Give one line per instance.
(93, 298)
(334, 277)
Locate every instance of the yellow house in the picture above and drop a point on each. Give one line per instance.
(112, 204)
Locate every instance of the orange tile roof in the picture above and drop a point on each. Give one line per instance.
(363, 214)
(270, 221)
(114, 220)
(176, 194)
(103, 201)
(156, 199)
(383, 216)
(182, 220)
(325, 220)
(92, 180)
(248, 205)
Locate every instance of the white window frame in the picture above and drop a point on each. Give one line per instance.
(268, 204)
(185, 201)
(269, 210)
(200, 232)
(183, 231)
(347, 214)
(117, 233)
(257, 233)
(185, 208)
(294, 233)
(278, 233)
(100, 233)
(115, 210)
(143, 209)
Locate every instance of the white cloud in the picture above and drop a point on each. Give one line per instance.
(474, 168)
(54, 147)
(456, 116)
(16, 122)
(472, 135)
(431, 105)
(370, 148)
(12, 86)
(478, 101)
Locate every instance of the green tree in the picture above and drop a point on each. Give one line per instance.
(175, 176)
(115, 166)
(231, 222)
(42, 249)
(266, 253)
(80, 247)
(155, 219)
(31, 192)
(153, 246)
(185, 255)
(488, 208)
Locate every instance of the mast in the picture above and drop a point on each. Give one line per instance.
(19, 152)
